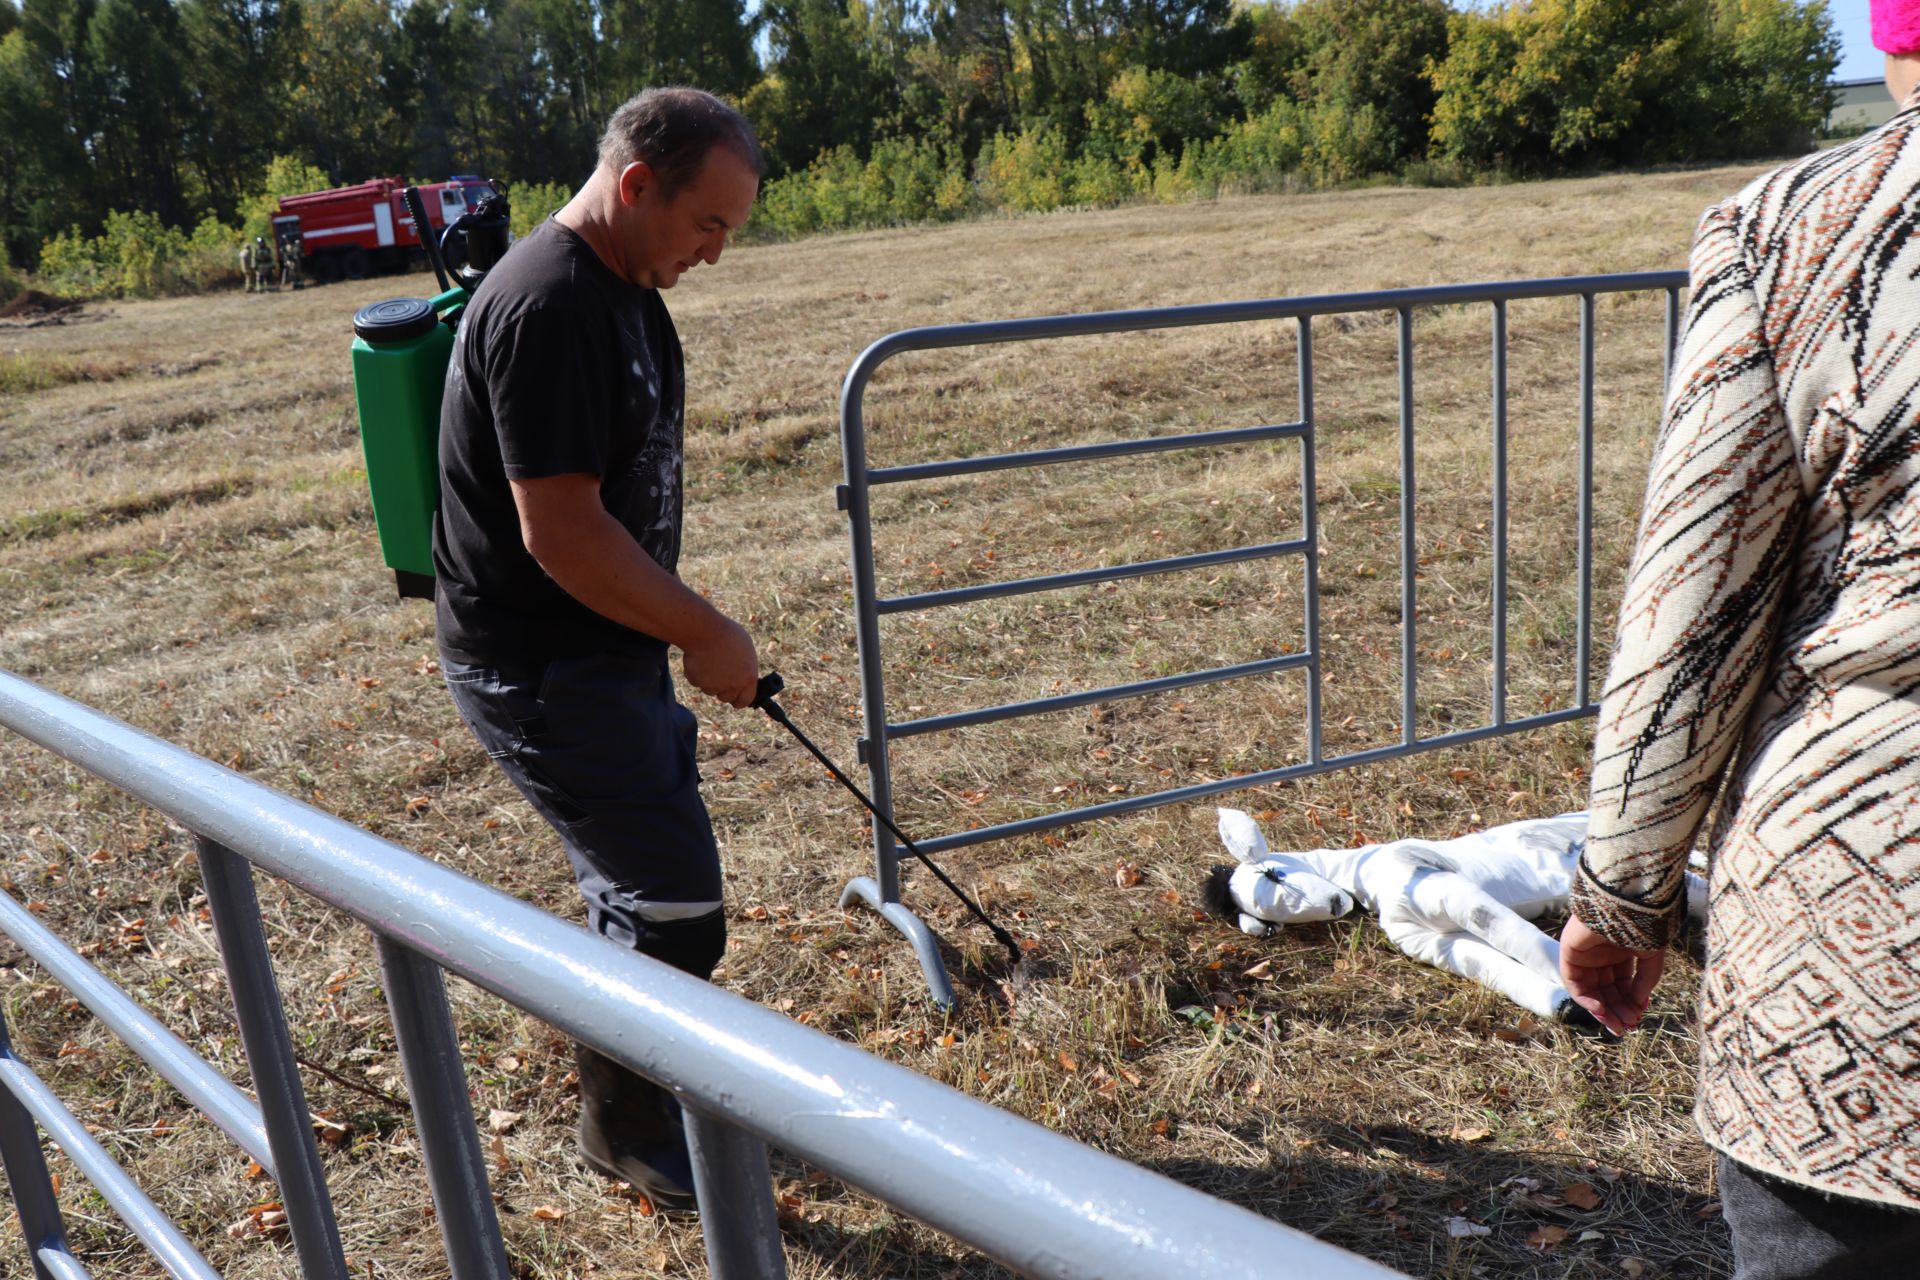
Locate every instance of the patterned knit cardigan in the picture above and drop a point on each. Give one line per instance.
(1770, 634)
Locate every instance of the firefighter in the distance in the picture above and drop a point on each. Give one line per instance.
(247, 272)
(291, 248)
(262, 262)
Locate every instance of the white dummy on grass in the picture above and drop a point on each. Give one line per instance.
(1465, 905)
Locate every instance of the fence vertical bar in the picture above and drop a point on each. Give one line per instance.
(1671, 336)
(873, 701)
(882, 892)
(1583, 643)
(228, 880)
(735, 1193)
(1409, 563)
(26, 1167)
(1310, 534)
(442, 1113)
(1500, 513)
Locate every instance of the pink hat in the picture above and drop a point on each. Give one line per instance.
(1896, 26)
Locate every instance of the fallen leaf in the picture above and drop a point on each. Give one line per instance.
(548, 1213)
(1544, 1238)
(507, 1062)
(1634, 1267)
(1066, 1060)
(1460, 1229)
(1126, 875)
(1262, 971)
(499, 1121)
(254, 1170)
(1472, 1134)
(1131, 1077)
(1592, 1237)
(418, 805)
(1582, 1195)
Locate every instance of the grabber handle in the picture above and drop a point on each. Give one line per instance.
(764, 692)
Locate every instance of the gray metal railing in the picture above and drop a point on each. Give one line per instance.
(1031, 1199)
(882, 890)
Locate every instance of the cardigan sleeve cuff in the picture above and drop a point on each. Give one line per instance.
(1625, 921)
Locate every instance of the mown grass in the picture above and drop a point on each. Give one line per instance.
(190, 547)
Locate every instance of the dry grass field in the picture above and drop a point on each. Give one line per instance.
(185, 542)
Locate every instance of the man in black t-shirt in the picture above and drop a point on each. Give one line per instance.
(555, 549)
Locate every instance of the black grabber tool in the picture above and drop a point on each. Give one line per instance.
(771, 684)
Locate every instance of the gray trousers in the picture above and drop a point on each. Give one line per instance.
(1784, 1231)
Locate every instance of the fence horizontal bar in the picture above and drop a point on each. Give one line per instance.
(1071, 326)
(1200, 791)
(1033, 1200)
(1068, 701)
(1088, 577)
(222, 1101)
(1085, 452)
(142, 1216)
(60, 1264)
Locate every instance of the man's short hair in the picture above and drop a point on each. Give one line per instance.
(671, 130)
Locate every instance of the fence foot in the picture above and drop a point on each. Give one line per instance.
(926, 944)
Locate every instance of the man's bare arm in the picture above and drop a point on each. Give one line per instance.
(596, 561)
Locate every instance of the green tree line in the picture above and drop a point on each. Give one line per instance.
(187, 113)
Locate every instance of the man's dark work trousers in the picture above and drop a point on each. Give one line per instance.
(600, 748)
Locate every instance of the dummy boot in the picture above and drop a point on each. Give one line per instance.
(630, 1129)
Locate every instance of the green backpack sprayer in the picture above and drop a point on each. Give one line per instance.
(400, 352)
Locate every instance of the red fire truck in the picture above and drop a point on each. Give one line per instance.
(351, 231)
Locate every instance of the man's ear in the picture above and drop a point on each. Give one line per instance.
(634, 181)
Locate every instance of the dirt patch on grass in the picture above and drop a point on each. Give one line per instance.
(33, 304)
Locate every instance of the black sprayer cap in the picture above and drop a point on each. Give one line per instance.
(395, 320)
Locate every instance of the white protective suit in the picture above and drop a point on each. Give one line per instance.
(1463, 905)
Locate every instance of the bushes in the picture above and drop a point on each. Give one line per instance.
(284, 176)
(532, 203)
(903, 180)
(1555, 84)
(11, 280)
(137, 256)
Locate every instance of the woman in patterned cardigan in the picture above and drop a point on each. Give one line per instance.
(1770, 636)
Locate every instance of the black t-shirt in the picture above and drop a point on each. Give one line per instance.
(560, 367)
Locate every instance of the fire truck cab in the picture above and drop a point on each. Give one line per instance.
(353, 231)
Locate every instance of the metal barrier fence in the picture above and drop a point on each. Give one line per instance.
(1033, 1200)
(882, 890)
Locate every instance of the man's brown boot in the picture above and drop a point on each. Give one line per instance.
(630, 1129)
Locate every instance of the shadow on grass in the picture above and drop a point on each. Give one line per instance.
(1395, 1193)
